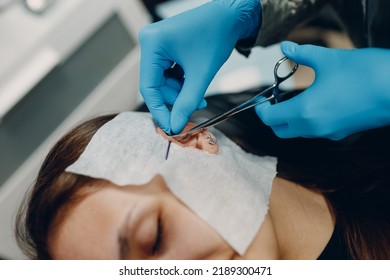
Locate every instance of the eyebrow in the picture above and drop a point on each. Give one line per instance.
(123, 239)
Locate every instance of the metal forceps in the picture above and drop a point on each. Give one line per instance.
(270, 94)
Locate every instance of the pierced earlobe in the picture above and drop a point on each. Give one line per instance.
(212, 140)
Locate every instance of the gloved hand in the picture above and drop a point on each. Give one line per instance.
(351, 93)
(199, 41)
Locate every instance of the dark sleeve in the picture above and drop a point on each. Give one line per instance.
(367, 22)
(279, 18)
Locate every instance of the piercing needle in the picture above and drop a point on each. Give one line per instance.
(169, 146)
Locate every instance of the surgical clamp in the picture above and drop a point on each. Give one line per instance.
(272, 94)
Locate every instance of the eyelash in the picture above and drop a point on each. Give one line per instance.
(159, 234)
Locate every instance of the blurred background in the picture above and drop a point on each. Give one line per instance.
(64, 61)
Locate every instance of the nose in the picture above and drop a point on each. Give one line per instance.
(157, 185)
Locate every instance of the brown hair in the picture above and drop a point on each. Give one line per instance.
(54, 191)
(354, 176)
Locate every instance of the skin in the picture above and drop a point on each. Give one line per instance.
(133, 212)
(302, 232)
(298, 225)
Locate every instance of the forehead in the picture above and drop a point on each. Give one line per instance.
(91, 226)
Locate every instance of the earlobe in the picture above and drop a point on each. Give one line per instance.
(203, 140)
(211, 138)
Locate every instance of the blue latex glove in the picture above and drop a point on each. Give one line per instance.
(351, 93)
(200, 41)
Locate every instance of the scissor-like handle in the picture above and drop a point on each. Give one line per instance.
(269, 94)
(280, 79)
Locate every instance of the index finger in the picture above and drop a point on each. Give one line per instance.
(151, 80)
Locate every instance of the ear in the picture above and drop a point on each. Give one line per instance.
(203, 140)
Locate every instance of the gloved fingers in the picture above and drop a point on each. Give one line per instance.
(278, 114)
(202, 104)
(282, 131)
(261, 108)
(282, 116)
(308, 55)
(170, 90)
(189, 99)
(277, 123)
(152, 68)
(158, 109)
(170, 95)
(279, 127)
(337, 136)
(288, 131)
(150, 88)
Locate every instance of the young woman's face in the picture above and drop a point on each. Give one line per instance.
(135, 222)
